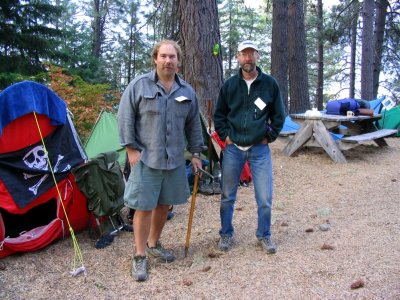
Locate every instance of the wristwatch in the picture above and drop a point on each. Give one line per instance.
(196, 155)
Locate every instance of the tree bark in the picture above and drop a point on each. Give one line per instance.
(298, 76)
(279, 52)
(381, 12)
(367, 54)
(353, 49)
(320, 60)
(200, 40)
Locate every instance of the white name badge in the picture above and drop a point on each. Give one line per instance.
(181, 98)
(260, 104)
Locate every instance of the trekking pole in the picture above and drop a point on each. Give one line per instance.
(209, 115)
(192, 205)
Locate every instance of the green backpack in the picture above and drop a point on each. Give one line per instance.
(101, 181)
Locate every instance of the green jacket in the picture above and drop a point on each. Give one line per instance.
(238, 116)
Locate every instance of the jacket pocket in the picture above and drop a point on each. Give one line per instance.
(150, 104)
(182, 108)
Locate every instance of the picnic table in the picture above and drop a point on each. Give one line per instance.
(335, 133)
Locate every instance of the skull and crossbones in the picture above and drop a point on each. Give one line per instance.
(37, 159)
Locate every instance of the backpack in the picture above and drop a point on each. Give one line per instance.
(340, 107)
(101, 181)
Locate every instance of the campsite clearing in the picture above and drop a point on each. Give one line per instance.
(337, 227)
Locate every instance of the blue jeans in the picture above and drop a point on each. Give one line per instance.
(259, 158)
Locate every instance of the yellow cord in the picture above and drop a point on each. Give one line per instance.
(77, 250)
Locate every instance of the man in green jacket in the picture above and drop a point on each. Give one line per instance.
(249, 115)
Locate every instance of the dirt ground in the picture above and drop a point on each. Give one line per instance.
(358, 203)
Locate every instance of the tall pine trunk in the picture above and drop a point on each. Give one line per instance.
(298, 76)
(279, 52)
(202, 59)
(367, 54)
(353, 49)
(381, 12)
(320, 60)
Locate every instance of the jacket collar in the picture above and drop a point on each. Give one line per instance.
(153, 76)
(257, 68)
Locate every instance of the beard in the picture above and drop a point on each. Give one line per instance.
(248, 67)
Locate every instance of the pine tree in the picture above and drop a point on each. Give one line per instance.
(28, 35)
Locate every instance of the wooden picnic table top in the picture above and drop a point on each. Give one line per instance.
(334, 118)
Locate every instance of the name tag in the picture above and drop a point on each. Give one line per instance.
(181, 98)
(260, 104)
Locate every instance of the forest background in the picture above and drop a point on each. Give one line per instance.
(88, 51)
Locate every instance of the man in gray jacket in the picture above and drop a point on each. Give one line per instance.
(158, 118)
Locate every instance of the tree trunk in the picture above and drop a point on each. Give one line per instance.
(279, 52)
(231, 51)
(381, 12)
(298, 76)
(202, 59)
(100, 9)
(131, 63)
(320, 60)
(353, 50)
(367, 54)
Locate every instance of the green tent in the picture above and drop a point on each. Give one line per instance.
(391, 119)
(104, 137)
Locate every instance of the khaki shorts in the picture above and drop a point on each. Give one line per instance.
(147, 187)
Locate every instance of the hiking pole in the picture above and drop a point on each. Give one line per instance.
(210, 148)
(192, 205)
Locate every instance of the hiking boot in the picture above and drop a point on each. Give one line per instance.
(268, 245)
(216, 185)
(140, 268)
(225, 243)
(205, 188)
(160, 253)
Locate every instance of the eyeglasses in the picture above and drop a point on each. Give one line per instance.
(248, 54)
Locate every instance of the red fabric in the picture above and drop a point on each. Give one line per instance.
(246, 173)
(75, 205)
(19, 133)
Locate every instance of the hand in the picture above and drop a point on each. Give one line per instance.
(196, 164)
(264, 141)
(228, 141)
(133, 155)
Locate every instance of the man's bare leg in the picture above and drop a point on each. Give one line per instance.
(141, 226)
(158, 219)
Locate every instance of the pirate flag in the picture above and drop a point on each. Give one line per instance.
(27, 173)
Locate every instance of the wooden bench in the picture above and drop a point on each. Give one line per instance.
(371, 136)
(376, 136)
(287, 133)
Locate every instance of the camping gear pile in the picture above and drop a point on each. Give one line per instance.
(48, 188)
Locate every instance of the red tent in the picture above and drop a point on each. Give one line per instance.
(31, 211)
